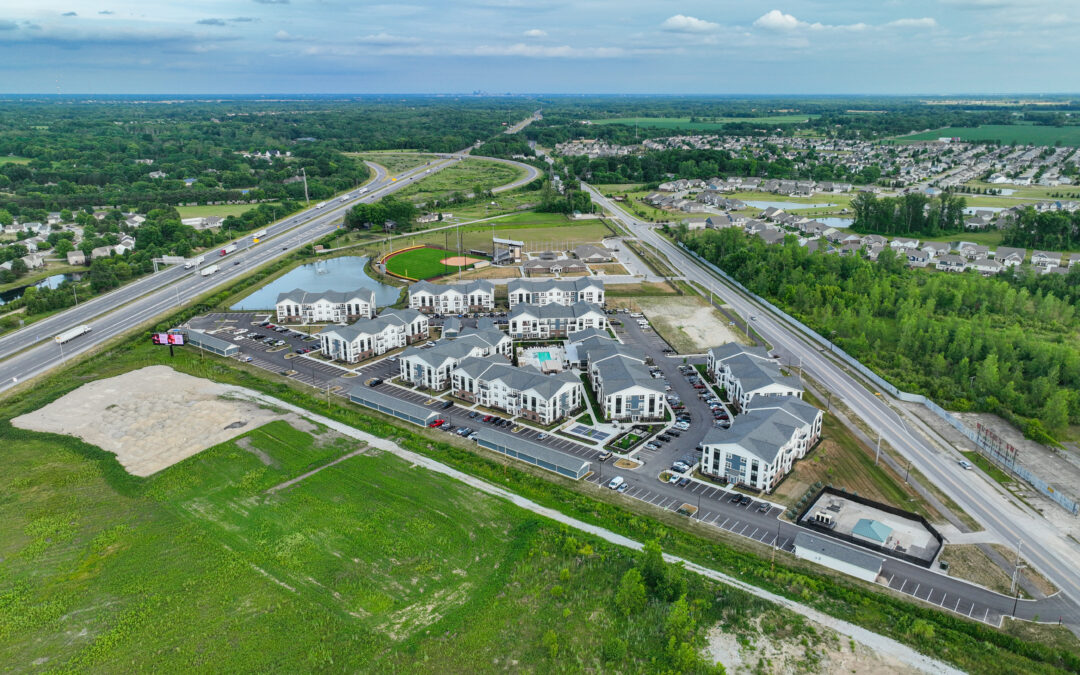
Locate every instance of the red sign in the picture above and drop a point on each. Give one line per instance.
(168, 338)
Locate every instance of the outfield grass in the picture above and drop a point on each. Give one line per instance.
(223, 210)
(422, 263)
(464, 177)
(1026, 134)
(713, 124)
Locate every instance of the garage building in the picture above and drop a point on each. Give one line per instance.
(384, 403)
(533, 453)
(212, 344)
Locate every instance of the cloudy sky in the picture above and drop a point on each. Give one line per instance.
(571, 46)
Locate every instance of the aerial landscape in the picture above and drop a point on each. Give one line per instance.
(491, 336)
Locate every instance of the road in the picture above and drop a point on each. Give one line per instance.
(31, 351)
(1046, 549)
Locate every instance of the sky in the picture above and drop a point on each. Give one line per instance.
(538, 46)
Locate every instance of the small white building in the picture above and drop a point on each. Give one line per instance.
(300, 306)
(840, 557)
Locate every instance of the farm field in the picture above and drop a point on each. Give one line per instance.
(370, 565)
(223, 210)
(713, 124)
(422, 263)
(1025, 134)
(464, 177)
(395, 162)
(536, 238)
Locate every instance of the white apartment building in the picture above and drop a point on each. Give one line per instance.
(527, 392)
(300, 306)
(393, 328)
(555, 291)
(474, 296)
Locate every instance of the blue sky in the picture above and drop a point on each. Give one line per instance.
(523, 46)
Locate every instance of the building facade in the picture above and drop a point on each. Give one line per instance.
(525, 392)
(474, 296)
(749, 373)
(555, 291)
(531, 322)
(300, 306)
(392, 329)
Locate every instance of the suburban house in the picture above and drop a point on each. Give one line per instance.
(762, 444)
(985, 266)
(623, 385)
(1010, 257)
(749, 373)
(904, 244)
(492, 382)
(1046, 259)
(432, 367)
(472, 296)
(1074, 259)
(952, 263)
(554, 320)
(593, 254)
(555, 291)
(393, 328)
(300, 306)
(76, 258)
(933, 249)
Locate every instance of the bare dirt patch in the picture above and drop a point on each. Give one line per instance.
(687, 322)
(150, 418)
(459, 260)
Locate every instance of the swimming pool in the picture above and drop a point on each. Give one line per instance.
(543, 356)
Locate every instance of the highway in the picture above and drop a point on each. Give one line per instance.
(31, 351)
(1045, 548)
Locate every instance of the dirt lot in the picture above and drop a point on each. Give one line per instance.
(687, 322)
(150, 418)
(609, 268)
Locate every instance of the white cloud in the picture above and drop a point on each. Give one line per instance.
(284, 36)
(535, 32)
(385, 38)
(539, 51)
(925, 22)
(680, 23)
(777, 20)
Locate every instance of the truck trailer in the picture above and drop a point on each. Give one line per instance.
(228, 249)
(207, 271)
(71, 334)
(192, 262)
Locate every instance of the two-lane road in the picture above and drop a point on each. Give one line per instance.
(1043, 546)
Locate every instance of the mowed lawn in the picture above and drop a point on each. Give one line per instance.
(465, 176)
(555, 235)
(1026, 134)
(372, 565)
(223, 210)
(422, 263)
(12, 159)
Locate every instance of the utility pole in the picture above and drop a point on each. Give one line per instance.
(1016, 569)
(307, 200)
(877, 454)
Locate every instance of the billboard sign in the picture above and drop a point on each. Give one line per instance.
(168, 339)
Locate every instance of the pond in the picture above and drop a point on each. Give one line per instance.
(785, 205)
(835, 222)
(334, 274)
(48, 282)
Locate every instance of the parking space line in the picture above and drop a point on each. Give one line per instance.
(743, 532)
(916, 592)
(902, 585)
(754, 533)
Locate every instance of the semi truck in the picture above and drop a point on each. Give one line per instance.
(258, 235)
(320, 205)
(192, 262)
(71, 334)
(228, 249)
(207, 271)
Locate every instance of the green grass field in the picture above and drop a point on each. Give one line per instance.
(464, 177)
(991, 238)
(395, 162)
(1025, 192)
(371, 565)
(719, 123)
(11, 159)
(1025, 134)
(223, 210)
(536, 238)
(423, 263)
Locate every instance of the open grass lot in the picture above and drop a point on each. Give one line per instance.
(371, 565)
(223, 210)
(713, 124)
(812, 202)
(11, 159)
(1025, 192)
(395, 162)
(990, 238)
(422, 263)
(505, 202)
(539, 238)
(465, 176)
(967, 561)
(1025, 134)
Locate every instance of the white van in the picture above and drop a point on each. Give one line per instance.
(616, 482)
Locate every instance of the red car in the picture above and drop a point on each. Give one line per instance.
(437, 423)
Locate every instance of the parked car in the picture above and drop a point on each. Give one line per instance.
(541, 436)
(374, 382)
(763, 507)
(744, 500)
(680, 467)
(735, 497)
(684, 481)
(967, 465)
(446, 404)
(663, 437)
(437, 423)
(605, 456)
(623, 488)
(615, 482)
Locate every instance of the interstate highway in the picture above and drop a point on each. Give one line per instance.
(1044, 547)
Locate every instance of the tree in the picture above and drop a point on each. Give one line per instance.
(630, 597)
(18, 267)
(653, 567)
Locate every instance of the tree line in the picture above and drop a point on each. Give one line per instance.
(1048, 230)
(969, 342)
(913, 214)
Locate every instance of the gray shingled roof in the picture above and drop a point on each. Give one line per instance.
(754, 373)
(555, 310)
(464, 287)
(792, 405)
(582, 335)
(837, 551)
(519, 379)
(621, 372)
(539, 285)
(730, 349)
(760, 433)
(388, 317)
(303, 297)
